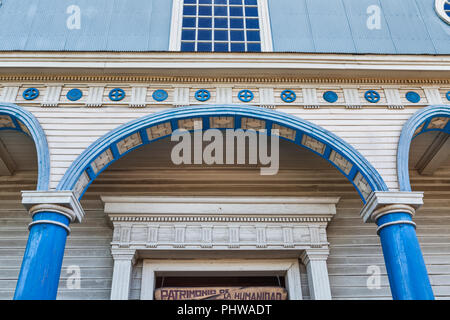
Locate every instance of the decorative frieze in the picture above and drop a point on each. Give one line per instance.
(6, 122)
(224, 95)
(284, 132)
(82, 183)
(438, 123)
(341, 162)
(129, 143)
(248, 227)
(158, 131)
(433, 95)
(190, 124)
(310, 98)
(138, 96)
(221, 122)
(51, 98)
(95, 96)
(181, 97)
(102, 160)
(253, 124)
(9, 93)
(266, 97)
(352, 100)
(313, 144)
(362, 185)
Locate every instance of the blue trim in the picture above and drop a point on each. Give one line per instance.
(116, 94)
(160, 95)
(412, 96)
(246, 95)
(288, 96)
(406, 137)
(330, 96)
(405, 266)
(202, 95)
(30, 94)
(301, 126)
(74, 94)
(37, 134)
(372, 96)
(42, 261)
(447, 95)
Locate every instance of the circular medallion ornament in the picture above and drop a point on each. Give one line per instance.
(30, 94)
(448, 96)
(245, 95)
(160, 95)
(202, 95)
(330, 96)
(288, 96)
(372, 96)
(413, 97)
(442, 8)
(116, 94)
(74, 94)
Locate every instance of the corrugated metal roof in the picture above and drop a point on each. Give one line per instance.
(316, 26)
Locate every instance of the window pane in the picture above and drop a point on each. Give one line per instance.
(237, 35)
(237, 47)
(251, 12)
(204, 10)
(221, 23)
(187, 46)
(204, 34)
(204, 46)
(236, 23)
(220, 35)
(252, 23)
(220, 11)
(253, 36)
(189, 10)
(204, 22)
(220, 47)
(228, 26)
(236, 11)
(188, 34)
(189, 22)
(254, 47)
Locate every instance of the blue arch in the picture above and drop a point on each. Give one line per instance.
(415, 126)
(24, 121)
(82, 165)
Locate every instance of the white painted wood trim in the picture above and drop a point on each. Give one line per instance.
(121, 280)
(175, 60)
(175, 26)
(318, 280)
(282, 267)
(265, 27)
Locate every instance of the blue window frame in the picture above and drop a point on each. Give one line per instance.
(221, 26)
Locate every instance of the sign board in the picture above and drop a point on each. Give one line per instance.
(221, 293)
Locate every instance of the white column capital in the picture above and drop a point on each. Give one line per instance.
(380, 203)
(314, 255)
(63, 202)
(124, 255)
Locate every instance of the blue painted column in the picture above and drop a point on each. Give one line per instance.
(41, 265)
(408, 277)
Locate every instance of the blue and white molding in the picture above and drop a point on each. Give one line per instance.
(13, 117)
(393, 213)
(52, 212)
(432, 118)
